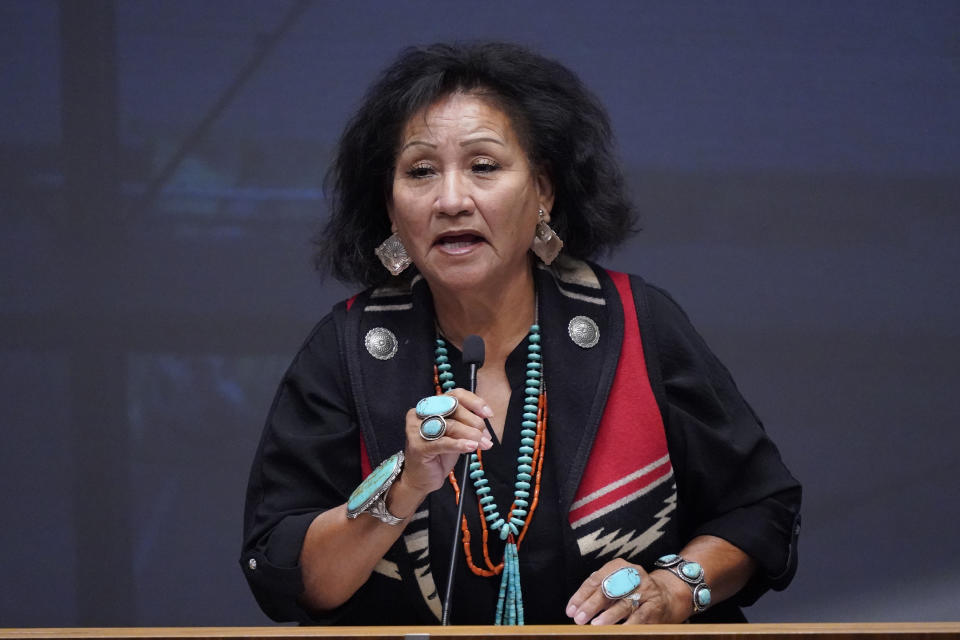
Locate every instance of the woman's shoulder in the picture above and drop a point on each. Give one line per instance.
(661, 304)
(319, 354)
(329, 336)
(321, 337)
(324, 333)
(664, 308)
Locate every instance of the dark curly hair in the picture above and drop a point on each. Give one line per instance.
(563, 128)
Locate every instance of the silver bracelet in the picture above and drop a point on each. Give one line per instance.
(692, 574)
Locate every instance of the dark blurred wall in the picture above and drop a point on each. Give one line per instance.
(798, 170)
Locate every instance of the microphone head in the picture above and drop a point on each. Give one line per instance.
(473, 350)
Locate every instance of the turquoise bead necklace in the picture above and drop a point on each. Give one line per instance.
(529, 464)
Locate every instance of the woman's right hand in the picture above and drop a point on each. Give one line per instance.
(339, 554)
(428, 462)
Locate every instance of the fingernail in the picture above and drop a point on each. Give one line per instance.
(595, 621)
(486, 442)
(471, 445)
(571, 611)
(487, 411)
(580, 618)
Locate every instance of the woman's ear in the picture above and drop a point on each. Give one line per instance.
(544, 193)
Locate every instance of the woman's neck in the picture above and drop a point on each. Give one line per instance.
(501, 315)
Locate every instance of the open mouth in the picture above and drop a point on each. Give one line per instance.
(459, 243)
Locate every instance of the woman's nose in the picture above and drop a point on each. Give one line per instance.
(454, 196)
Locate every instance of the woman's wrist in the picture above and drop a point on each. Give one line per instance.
(680, 600)
(402, 499)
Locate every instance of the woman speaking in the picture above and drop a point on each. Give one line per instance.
(616, 475)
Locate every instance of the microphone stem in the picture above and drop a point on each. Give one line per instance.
(447, 600)
(456, 542)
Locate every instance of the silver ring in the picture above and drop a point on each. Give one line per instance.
(432, 428)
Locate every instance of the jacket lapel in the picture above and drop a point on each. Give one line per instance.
(384, 385)
(578, 378)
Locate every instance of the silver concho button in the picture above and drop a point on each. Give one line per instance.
(381, 343)
(583, 331)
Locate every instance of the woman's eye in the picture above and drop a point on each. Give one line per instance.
(485, 166)
(420, 171)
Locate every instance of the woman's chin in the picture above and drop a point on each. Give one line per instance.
(480, 269)
(463, 275)
(460, 278)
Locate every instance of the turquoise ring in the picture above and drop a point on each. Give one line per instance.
(621, 583)
(441, 405)
(432, 410)
(433, 428)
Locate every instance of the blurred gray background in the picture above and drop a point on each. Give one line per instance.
(796, 164)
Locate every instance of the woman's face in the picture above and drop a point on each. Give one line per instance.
(465, 198)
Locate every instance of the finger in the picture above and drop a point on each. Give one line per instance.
(640, 615)
(458, 430)
(453, 430)
(431, 461)
(593, 605)
(650, 612)
(617, 611)
(468, 418)
(653, 609)
(472, 402)
(590, 585)
(448, 443)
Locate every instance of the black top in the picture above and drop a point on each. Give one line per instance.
(475, 597)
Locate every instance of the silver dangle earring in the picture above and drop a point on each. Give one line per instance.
(546, 243)
(393, 255)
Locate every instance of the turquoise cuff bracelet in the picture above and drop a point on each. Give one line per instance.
(371, 496)
(692, 574)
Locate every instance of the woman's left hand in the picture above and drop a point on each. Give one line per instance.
(664, 599)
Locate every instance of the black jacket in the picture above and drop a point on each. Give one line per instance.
(725, 478)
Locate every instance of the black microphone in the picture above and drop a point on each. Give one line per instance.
(473, 353)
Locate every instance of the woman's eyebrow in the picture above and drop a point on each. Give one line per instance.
(413, 143)
(482, 139)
